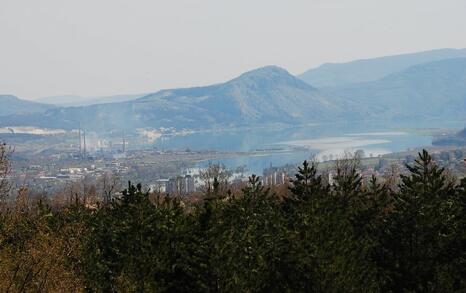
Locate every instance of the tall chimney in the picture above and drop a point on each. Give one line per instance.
(79, 134)
(84, 136)
(124, 142)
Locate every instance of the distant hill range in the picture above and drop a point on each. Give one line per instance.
(425, 91)
(415, 86)
(73, 100)
(359, 71)
(264, 96)
(12, 105)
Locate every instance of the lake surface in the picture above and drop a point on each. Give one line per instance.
(292, 145)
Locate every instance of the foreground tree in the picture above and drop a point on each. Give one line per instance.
(215, 173)
(352, 235)
(140, 246)
(420, 230)
(5, 169)
(39, 249)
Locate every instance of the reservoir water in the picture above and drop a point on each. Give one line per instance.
(280, 145)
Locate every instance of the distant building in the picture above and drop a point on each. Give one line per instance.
(181, 185)
(189, 181)
(160, 186)
(171, 186)
(274, 178)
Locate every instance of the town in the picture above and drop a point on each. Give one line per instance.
(176, 172)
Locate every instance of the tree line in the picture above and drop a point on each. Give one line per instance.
(352, 235)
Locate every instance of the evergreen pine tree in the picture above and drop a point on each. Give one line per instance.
(420, 228)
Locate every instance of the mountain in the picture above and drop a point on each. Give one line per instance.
(73, 100)
(425, 91)
(459, 139)
(11, 105)
(65, 100)
(341, 74)
(270, 95)
(267, 95)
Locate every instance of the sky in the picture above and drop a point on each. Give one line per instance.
(106, 47)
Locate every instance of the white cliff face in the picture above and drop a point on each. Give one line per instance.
(31, 130)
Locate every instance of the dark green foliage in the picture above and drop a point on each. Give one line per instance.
(343, 237)
(139, 246)
(307, 186)
(352, 235)
(419, 231)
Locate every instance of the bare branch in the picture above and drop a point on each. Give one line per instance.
(5, 170)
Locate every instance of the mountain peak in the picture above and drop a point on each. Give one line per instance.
(271, 74)
(266, 71)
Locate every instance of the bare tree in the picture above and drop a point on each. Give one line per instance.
(5, 169)
(38, 259)
(241, 170)
(215, 173)
(347, 180)
(392, 176)
(348, 164)
(108, 184)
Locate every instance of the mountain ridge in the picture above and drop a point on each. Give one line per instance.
(75, 100)
(271, 95)
(429, 90)
(14, 105)
(371, 69)
(262, 96)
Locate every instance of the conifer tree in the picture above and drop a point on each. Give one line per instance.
(347, 181)
(307, 184)
(420, 228)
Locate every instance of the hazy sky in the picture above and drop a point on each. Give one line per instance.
(103, 47)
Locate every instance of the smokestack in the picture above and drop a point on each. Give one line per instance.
(84, 136)
(124, 143)
(79, 134)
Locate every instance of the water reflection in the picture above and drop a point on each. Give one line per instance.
(326, 141)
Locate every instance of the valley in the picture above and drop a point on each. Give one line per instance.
(263, 118)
